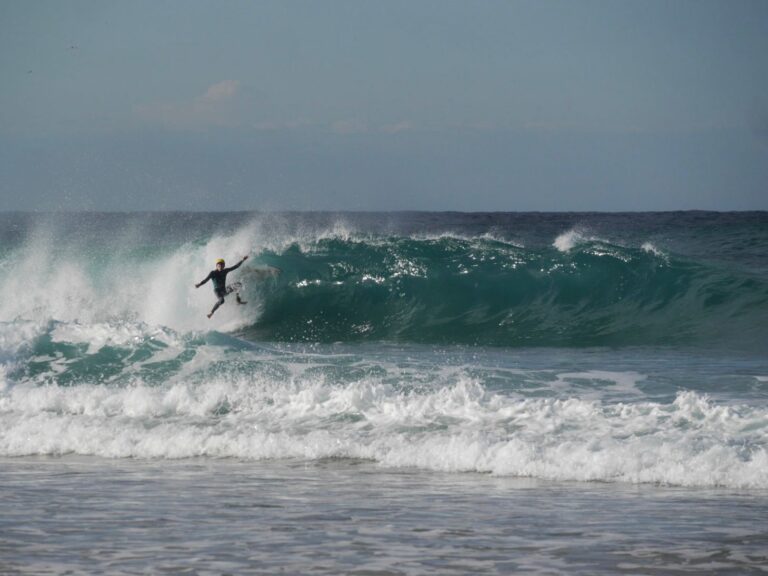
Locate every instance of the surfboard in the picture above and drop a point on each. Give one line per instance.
(234, 287)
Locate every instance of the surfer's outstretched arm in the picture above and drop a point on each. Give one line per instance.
(204, 280)
(236, 266)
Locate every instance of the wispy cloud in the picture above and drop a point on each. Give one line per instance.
(275, 125)
(215, 107)
(396, 128)
(349, 127)
(219, 92)
(354, 126)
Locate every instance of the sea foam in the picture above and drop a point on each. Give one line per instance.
(461, 427)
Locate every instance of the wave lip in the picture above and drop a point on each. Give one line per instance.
(568, 240)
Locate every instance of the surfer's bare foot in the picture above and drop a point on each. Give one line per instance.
(209, 315)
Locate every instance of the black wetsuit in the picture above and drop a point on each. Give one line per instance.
(219, 278)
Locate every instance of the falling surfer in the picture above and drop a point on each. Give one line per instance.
(220, 286)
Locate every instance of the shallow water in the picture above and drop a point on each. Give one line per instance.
(92, 516)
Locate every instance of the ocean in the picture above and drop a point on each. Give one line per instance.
(413, 393)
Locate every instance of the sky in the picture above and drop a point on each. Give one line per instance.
(517, 105)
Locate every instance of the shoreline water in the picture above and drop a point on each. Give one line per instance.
(89, 515)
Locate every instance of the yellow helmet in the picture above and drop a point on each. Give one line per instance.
(220, 261)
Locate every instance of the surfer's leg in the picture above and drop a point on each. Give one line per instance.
(236, 289)
(216, 306)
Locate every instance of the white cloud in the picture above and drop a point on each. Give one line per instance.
(349, 127)
(403, 126)
(273, 125)
(223, 90)
(354, 126)
(215, 107)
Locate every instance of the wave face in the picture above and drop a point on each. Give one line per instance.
(455, 290)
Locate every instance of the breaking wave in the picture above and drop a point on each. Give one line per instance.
(339, 285)
(105, 348)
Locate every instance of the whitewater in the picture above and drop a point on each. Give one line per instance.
(618, 362)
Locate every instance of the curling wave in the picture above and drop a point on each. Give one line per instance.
(486, 291)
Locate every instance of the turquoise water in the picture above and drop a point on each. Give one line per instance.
(586, 362)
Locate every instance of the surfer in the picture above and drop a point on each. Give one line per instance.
(220, 288)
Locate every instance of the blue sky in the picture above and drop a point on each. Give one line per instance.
(356, 105)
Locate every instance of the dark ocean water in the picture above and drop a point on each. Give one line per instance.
(608, 361)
